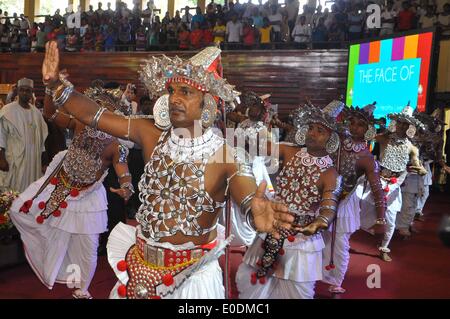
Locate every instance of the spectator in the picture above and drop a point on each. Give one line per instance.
(61, 38)
(257, 18)
(328, 18)
(234, 32)
(265, 34)
(172, 37)
(187, 17)
(152, 36)
(211, 13)
(41, 38)
(147, 15)
(24, 42)
(24, 23)
(208, 34)
(429, 19)
(292, 8)
(248, 34)
(320, 35)
(4, 40)
(275, 20)
(99, 10)
(166, 19)
(88, 40)
(196, 36)
(444, 21)
(388, 19)
(285, 32)
(177, 19)
(219, 13)
(405, 17)
(316, 16)
(100, 41)
(108, 10)
(124, 35)
(84, 27)
(183, 37)
(355, 23)
(239, 8)
(162, 37)
(198, 18)
(249, 9)
(340, 22)
(14, 41)
(110, 40)
(219, 32)
(301, 33)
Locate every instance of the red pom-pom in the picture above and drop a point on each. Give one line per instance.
(122, 265)
(253, 280)
(54, 180)
(386, 189)
(41, 205)
(28, 203)
(40, 219)
(385, 198)
(122, 291)
(393, 180)
(74, 192)
(259, 263)
(63, 204)
(291, 238)
(327, 267)
(167, 279)
(24, 209)
(281, 252)
(332, 266)
(262, 280)
(57, 213)
(155, 297)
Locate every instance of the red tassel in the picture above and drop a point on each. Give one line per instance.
(291, 238)
(54, 181)
(63, 204)
(327, 268)
(74, 192)
(281, 252)
(40, 219)
(41, 205)
(168, 279)
(386, 189)
(155, 297)
(262, 280)
(122, 291)
(122, 265)
(393, 180)
(253, 278)
(57, 213)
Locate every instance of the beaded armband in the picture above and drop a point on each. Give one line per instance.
(123, 153)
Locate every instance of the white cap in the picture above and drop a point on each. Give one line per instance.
(25, 82)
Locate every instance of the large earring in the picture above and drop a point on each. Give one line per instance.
(333, 143)
(370, 133)
(300, 136)
(411, 131)
(392, 126)
(209, 111)
(161, 113)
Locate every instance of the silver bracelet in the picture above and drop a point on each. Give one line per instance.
(250, 220)
(128, 186)
(49, 91)
(54, 115)
(94, 123)
(246, 203)
(325, 219)
(127, 174)
(59, 101)
(333, 208)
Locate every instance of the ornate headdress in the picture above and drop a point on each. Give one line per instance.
(109, 98)
(406, 115)
(365, 113)
(309, 114)
(203, 71)
(433, 121)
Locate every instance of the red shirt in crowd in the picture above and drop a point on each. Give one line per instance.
(248, 35)
(196, 38)
(183, 38)
(208, 36)
(405, 20)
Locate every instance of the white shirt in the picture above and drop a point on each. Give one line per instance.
(428, 22)
(234, 31)
(445, 21)
(301, 33)
(386, 14)
(277, 17)
(292, 10)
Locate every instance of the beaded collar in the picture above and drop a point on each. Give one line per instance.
(309, 160)
(351, 145)
(191, 149)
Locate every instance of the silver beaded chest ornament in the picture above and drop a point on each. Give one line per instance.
(432, 139)
(172, 188)
(77, 171)
(297, 188)
(396, 155)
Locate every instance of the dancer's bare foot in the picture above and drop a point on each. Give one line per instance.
(336, 290)
(385, 257)
(78, 294)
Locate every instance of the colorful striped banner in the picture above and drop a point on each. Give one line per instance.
(364, 53)
(398, 48)
(374, 52)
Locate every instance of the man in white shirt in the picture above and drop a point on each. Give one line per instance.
(428, 20)
(444, 20)
(148, 14)
(22, 135)
(301, 33)
(187, 17)
(234, 32)
(292, 8)
(275, 20)
(388, 19)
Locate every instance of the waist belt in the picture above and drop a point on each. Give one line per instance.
(387, 173)
(162, 257)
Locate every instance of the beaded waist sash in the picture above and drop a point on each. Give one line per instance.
(387, 173)
(149, 266)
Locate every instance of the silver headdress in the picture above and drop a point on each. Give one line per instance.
(202, 71)
(406, 115)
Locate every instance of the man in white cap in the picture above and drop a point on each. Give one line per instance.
(22, 135)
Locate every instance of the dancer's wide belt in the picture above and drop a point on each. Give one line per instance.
(387, 173)
(162, 257)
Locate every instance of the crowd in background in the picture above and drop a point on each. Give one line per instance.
(237, 25)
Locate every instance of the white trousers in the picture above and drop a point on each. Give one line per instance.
(421, 200)
(56, 255)
(341, 257)
(406, 216)
(273, 288)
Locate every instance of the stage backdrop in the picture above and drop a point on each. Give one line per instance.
(392, 72)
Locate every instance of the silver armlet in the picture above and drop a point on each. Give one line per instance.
(246, 210)
(94, 123)
(323, 207)
(129, 186)
(64, 96)
(325, 219)
(127, 174)
(123, 153)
